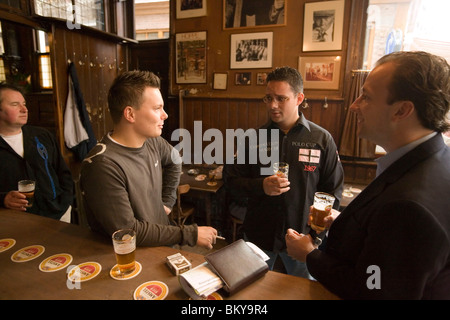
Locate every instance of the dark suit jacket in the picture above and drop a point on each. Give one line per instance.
(395, 235)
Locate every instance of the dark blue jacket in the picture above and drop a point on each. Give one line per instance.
(43, 163)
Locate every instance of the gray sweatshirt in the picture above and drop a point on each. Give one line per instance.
(128, 188)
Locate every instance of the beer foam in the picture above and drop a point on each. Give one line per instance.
(320, 206)
(26, 187)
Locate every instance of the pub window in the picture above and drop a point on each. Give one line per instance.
(152, 19)
(43, 55)
(90, 13)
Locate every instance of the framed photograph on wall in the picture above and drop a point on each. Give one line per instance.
(261, 78)
(191, 57)
(243, 78)
(323, 25)
(253, 13)
(220, 81)
(190, 8)
(251, 50)
(320, 72)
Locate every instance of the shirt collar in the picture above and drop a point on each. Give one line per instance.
(301, 122)
(384, 162)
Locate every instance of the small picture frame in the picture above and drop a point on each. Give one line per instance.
(220, 81)
(320, 72)
(243, 78)
(261, 78)
(190, 9)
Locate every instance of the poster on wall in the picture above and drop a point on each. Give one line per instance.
(191, 57)
(251, 50)
(323, 26)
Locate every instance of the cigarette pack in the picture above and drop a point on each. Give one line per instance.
(178, 263)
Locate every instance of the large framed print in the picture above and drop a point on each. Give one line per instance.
(323, 25)
(320, 72)
(251, 50)
(191, 8)
(253, 13)
(191, 57)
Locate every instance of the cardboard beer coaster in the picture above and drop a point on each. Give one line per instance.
(200, 177)
(56, 262)
(214, 296)
(84, 272)
(151, 290)
(115, 273)
(6, 244)
(28, 253)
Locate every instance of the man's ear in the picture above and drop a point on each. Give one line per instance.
(128, 114)
(300, 98)
(403, 110)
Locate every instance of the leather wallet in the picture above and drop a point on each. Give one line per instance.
(237, 265)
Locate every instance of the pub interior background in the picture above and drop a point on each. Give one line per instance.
(102, 38)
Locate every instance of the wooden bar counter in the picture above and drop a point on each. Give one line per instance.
(24, 280)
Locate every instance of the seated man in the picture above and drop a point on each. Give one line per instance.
(31, 153)
(129, 179)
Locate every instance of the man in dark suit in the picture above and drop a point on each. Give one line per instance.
(393, 240)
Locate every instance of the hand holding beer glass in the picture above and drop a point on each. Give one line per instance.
(124, 242)
(323, 203)
(26, 187)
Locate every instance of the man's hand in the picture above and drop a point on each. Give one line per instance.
(206, 237)
(274, 185)
(15, 200)
(328, 220)
(298, 245)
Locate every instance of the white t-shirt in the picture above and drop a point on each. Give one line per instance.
(16, 142)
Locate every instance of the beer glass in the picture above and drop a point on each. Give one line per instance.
(281, 169)
(26, 187)
(323, 203)
(212, 177)
(124, 242)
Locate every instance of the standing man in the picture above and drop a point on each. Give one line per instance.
(276, 204)
(31, 153)
(129, 180)
(393, 240)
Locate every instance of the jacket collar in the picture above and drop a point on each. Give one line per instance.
(397, 170)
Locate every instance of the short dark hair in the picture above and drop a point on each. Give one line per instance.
(8, 86)
(127, 90)
(288, 74)
(423, 79)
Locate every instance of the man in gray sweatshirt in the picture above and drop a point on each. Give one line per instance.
(129, 179)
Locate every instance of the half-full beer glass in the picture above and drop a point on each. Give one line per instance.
(124, 242)
(26, 187)
(323, 203)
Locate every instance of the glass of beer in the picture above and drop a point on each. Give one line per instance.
(26, 187)
(323, 203)
(124, 242)
(281, 169)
